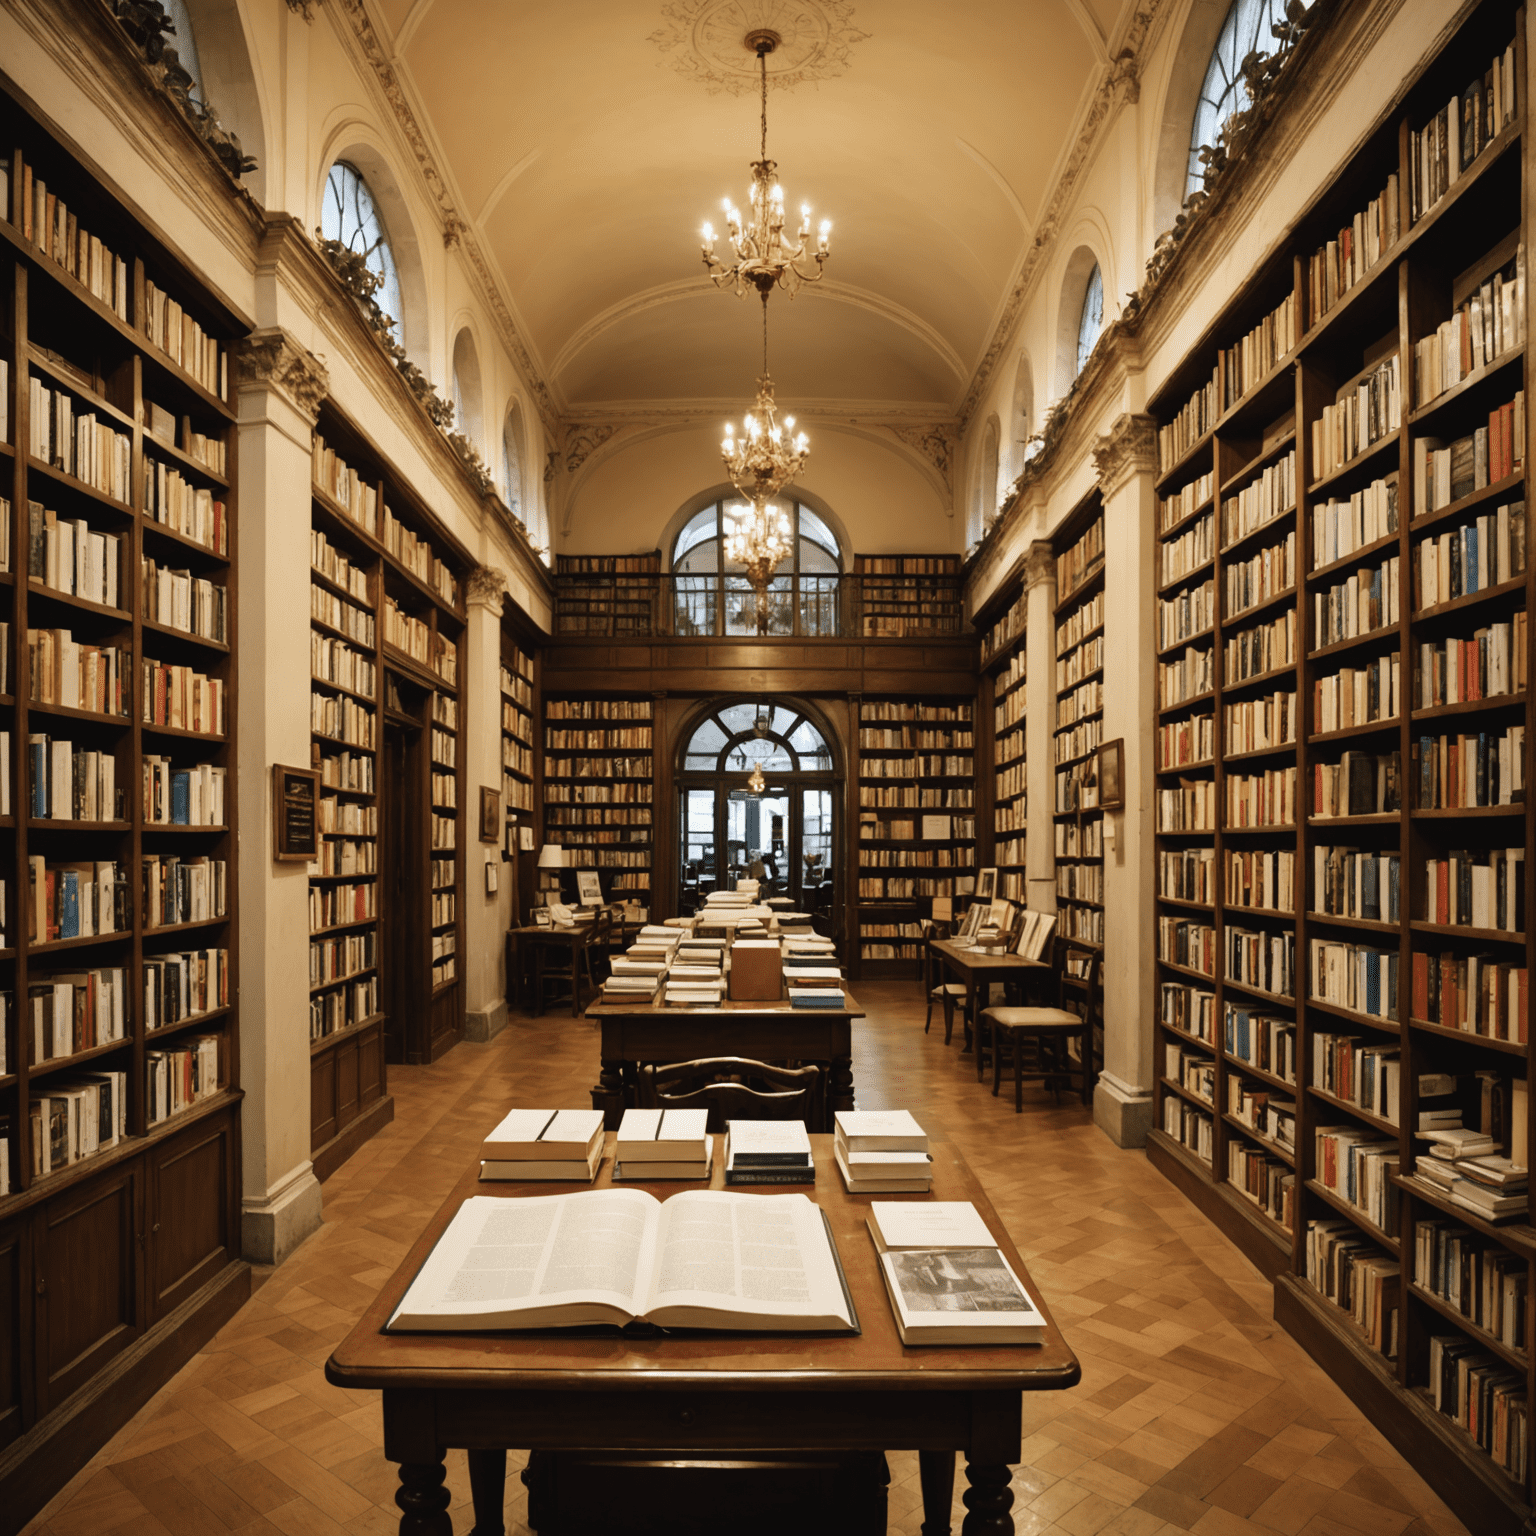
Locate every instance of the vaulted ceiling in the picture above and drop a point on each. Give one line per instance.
(590, 139)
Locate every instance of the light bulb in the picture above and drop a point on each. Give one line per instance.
(789, 422)
(709, 234)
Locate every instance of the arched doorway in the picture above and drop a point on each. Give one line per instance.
(786, 835)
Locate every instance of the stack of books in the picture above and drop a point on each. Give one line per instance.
(768, 1152)
(1466, 1165)
(812, 976)
(544, 1144)
(882, 1151)
(663, 1144)
(638, 971)
(696, 978)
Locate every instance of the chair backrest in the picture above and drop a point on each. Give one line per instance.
(1082, 988)
(734, 1088)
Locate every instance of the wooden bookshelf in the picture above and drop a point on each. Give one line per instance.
(520, 756)
(598, 788)
(1311, 577)
(903, 597)
(391, 581)
(917, 774)
(607, 594)
(1003, 646)
(119, 837)
(1078, 726)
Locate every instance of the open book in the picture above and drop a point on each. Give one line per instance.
(704, 1259)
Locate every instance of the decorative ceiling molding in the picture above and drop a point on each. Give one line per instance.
(413, 19)
(703, 41)
(690, 287)
(1091, 29)
(999, 180)
(936, 444)
(581, 442)
(499, 190)
(1118, 83)
(360, 30)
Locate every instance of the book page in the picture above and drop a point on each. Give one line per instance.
(929, 1224)
(548, 1261)
(745, 1261)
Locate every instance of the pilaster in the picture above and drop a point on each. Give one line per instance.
(1125, 459)
(1039, 717)
(487, 915)
(280, 389)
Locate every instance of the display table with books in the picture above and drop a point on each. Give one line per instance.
(677, 1391)
(641, 1033)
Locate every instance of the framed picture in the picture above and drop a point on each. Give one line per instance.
(986, 885)
(490, 815)
(589, 889)
(295, 814)
(1112, 775)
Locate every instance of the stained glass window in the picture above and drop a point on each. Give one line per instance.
(351, 216)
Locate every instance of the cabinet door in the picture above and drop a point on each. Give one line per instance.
(15, 1329)
(346, 1082)
(89, 1287)
(322, 1098)
(370, 1065)
(189, 1184)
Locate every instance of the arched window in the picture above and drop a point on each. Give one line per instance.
(712, 595)
(1248, 27)
(1021, 414)
(182, 38)
(1091, 321)
(990, 470)
(512, 461)
(466, 387)
(766, 734)
(350, 215)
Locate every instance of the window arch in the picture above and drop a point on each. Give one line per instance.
(772, 734)
(1248, 27)
(1090, 320)
(1021, 413)
(990, 470)
(350, 215)
(711, 593)
(512, 461)
(466, 387)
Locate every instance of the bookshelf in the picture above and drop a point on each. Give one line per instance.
(1343, 724)
(1078, 726)
(519, 765)
(598, 789)
(119, 839)
(610, 595)
(387, 628)
(917, 821)
(1003, 648)
(903, 597)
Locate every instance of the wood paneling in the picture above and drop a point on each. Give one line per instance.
(191, 1227)
(15, 1330)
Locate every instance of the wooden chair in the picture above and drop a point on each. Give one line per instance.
(734, 1088)
(1050, 1030)
(585, 949)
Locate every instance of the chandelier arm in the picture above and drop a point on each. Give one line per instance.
(762, 66)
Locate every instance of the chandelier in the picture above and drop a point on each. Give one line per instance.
(755, 782)
(766, 457)
(763, 257)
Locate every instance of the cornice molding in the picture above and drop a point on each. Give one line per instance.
(359, 31)
(1039, 564)
(274, 360)
(1128, 449)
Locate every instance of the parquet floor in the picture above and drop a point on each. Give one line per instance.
(1196, 1413)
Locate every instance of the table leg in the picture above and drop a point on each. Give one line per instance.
(840, 1094)
(936, 1477)
(575, 981)
(423, 1500)
(538, 980)
(988, 1499)
(608, 1095)
(488, 1489)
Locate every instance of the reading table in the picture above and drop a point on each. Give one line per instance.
(974, 969)
(634, 1034)
(693, 1393)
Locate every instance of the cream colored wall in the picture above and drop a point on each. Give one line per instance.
(624, 496)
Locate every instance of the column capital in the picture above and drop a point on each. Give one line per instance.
(272, 359)
(1128, 448)
(1039, 564)
(485, 587)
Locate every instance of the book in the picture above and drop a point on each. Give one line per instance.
(959, 1296)
(880, 1130)
(859, 1183)
(641, 1167)
(554, 1170)
(533, 1263)
(545, 1135)
(927, 1224)
(662, 1135)
(767, 1144)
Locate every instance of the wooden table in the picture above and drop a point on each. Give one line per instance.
(574, 940)
(975, 969)
(706, 1392)
(636, 1034)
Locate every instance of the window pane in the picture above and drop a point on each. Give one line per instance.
(1088, 327)
(701, 526)
(350, 216)
(696, 599)
(812, 527)
(816, 560)
(708, 738)
(806, 739)
(704, 556)
(185, 43)
(739, 717)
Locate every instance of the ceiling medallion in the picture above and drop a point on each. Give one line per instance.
(702, 41)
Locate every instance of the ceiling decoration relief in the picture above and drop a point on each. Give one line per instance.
(702, 41)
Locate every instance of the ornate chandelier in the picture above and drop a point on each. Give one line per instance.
(763, 258)
(766, 457)
(755, 781)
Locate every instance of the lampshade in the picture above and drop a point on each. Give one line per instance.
(551, 856)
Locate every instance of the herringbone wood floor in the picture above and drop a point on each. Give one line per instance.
(1195, 1412)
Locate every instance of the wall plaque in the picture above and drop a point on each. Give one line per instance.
(295, 814)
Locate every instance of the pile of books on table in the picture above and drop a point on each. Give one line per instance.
(768, 1152)
(544, 1144)
(812, 976)
(696, 976)
(638, 971)
(663, 1144)
(882, 1151)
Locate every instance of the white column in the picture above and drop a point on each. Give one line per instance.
(487, 916)
(1039, 720)
(1125, 458)
(281, 387)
